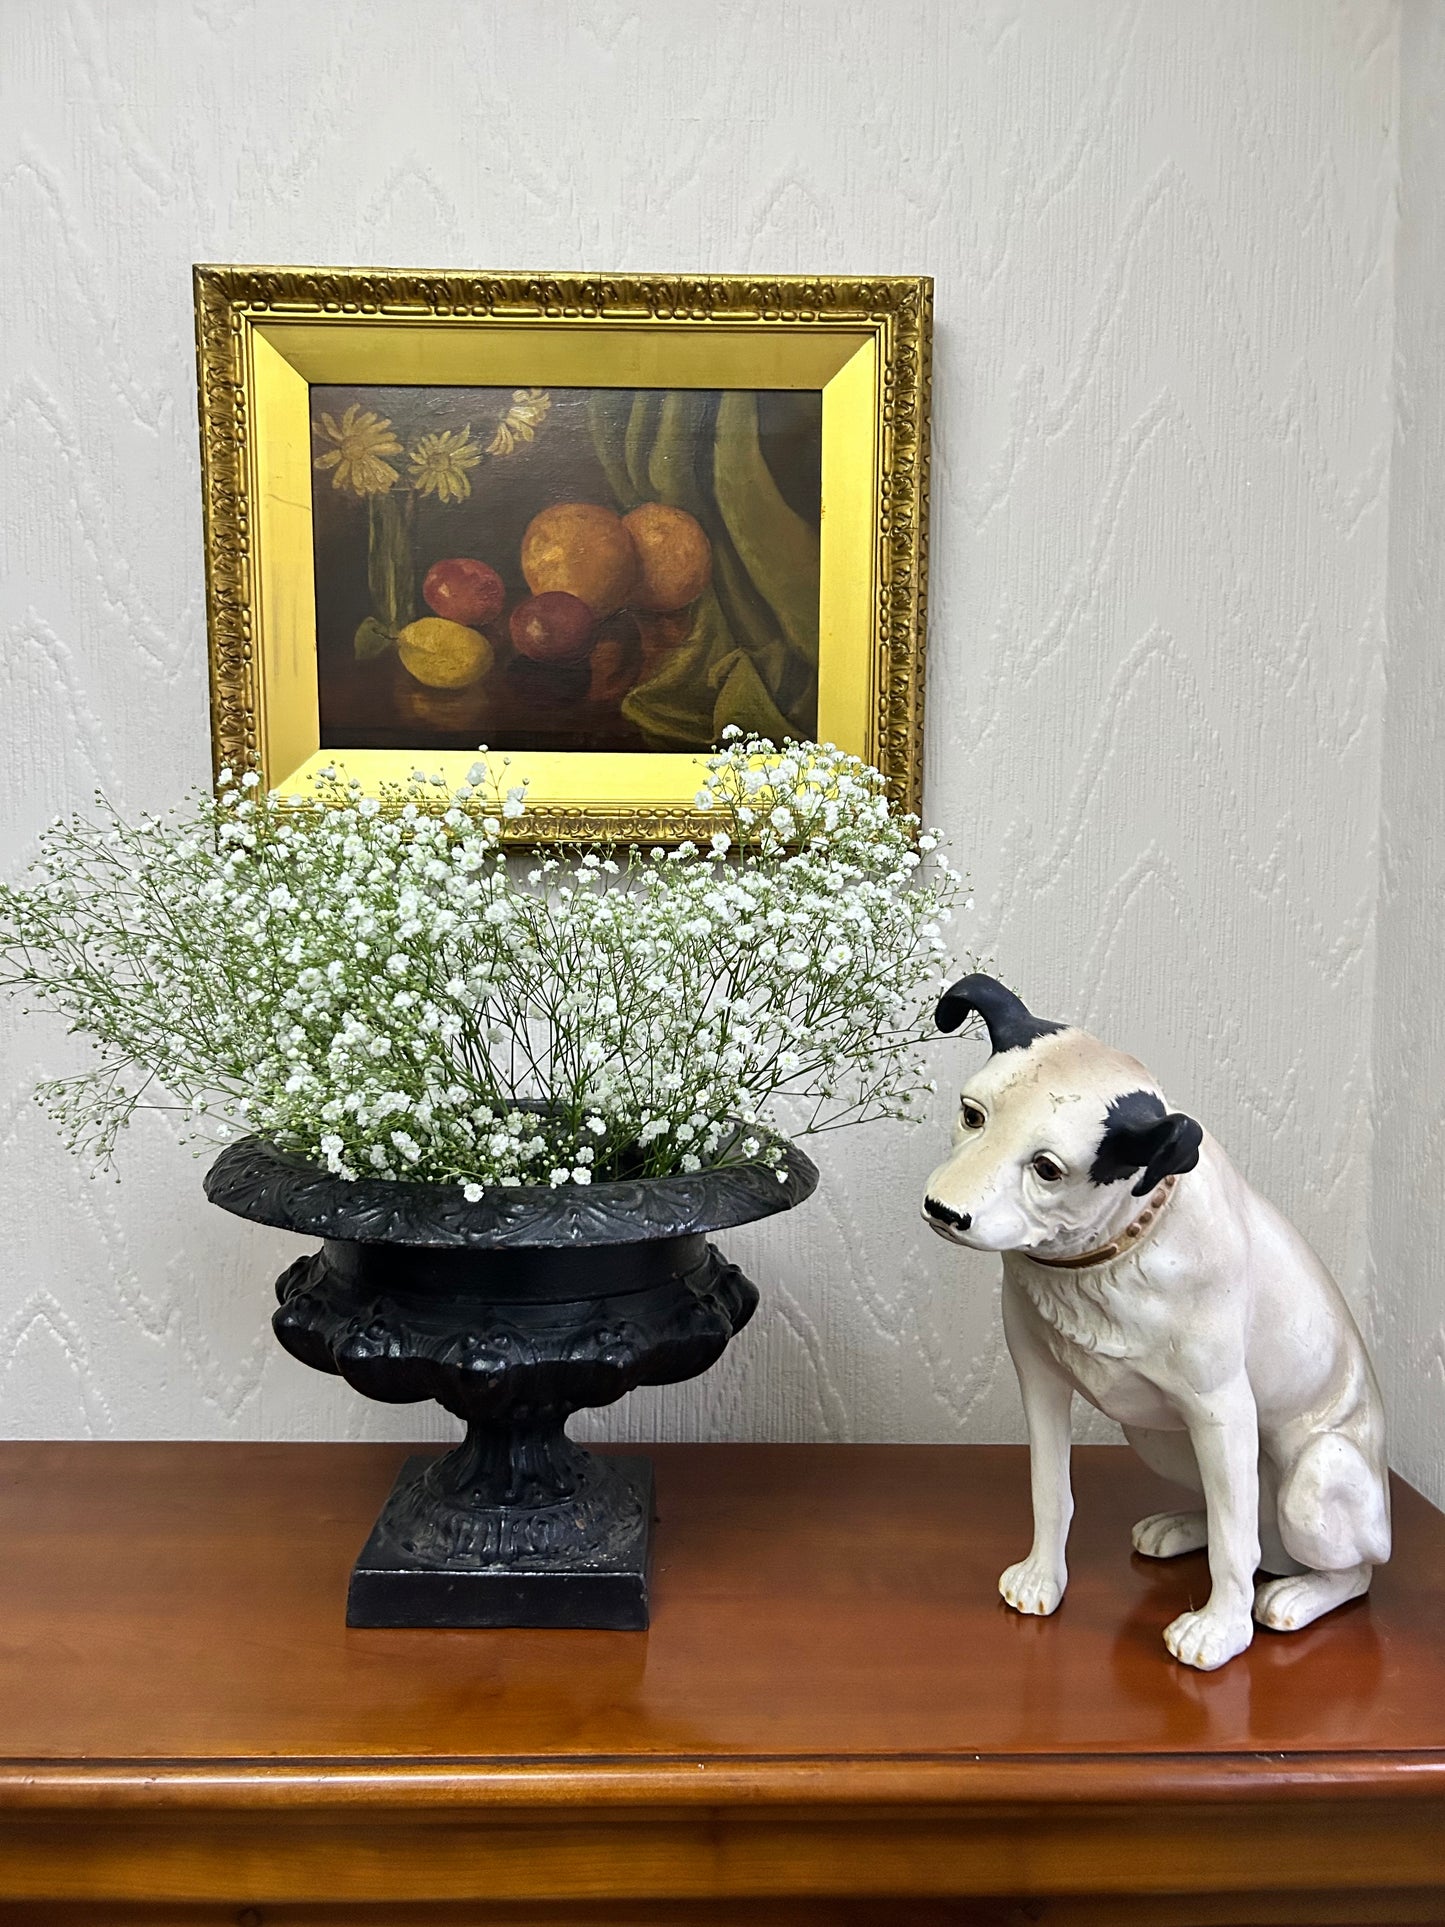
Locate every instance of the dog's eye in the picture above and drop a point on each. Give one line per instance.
(1045, 1168)
(973, 1117)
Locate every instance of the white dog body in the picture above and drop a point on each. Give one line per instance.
(1182, 1305)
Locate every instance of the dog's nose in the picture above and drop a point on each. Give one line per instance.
(942, 1214)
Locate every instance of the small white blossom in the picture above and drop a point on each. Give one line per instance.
(365, 980)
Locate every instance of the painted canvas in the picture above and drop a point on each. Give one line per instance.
(565, 569)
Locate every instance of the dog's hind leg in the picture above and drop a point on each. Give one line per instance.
(1273, 1558)
(1167, 1535)
(1334, 1507)
(1285, 1605)
(1334, 1521)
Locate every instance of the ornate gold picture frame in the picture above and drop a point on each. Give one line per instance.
(585, 519)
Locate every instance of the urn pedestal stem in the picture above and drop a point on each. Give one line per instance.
(525, 1464)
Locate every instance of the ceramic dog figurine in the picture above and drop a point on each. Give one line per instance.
(1142, 1271)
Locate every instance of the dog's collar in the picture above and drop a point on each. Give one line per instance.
(1127, 1240)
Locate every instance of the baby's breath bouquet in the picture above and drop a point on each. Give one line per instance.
(389, 988)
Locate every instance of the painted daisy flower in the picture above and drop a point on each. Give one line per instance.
(439, 464)
(362, 438)
(521, 421)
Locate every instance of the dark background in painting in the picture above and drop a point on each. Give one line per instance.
(520, 705)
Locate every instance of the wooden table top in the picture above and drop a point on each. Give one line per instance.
(826, 1628)
(186, 1603)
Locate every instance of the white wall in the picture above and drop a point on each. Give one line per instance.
(1163, 242)
(1408, 1215)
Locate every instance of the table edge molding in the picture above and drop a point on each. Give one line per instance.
(745, 1781)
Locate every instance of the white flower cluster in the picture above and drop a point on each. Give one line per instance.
(384, 988)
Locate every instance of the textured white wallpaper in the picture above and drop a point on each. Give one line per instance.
(1163, 237)
(1408, 1205)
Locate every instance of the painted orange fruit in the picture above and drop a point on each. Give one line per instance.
(674, 557)
(583, 550)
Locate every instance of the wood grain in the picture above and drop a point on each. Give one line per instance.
(832, 1705)
(1352, 1909)
(1228, 1910)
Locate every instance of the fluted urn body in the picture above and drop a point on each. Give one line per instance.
(513, 1313)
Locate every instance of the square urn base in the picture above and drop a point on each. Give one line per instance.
(606, 1591)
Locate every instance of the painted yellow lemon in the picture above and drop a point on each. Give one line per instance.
(443, 654)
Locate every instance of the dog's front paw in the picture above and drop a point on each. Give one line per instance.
(1033, 1587)
(1207, 1638)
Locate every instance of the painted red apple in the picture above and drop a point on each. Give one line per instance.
(553, 627)
(464, 590)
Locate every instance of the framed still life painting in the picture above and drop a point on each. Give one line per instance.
(587, 521)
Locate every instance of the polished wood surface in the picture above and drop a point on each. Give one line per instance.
(832, 1703)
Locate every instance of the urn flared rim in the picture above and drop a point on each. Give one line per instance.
(256, 1180)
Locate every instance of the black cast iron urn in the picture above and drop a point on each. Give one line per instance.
(513, 1313)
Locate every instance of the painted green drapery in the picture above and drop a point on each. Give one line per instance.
(750, 656)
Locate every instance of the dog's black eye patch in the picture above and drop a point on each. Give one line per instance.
(1138, 1131)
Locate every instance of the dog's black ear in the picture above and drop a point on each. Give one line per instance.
(1140, 1135)
(1011, 1025)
